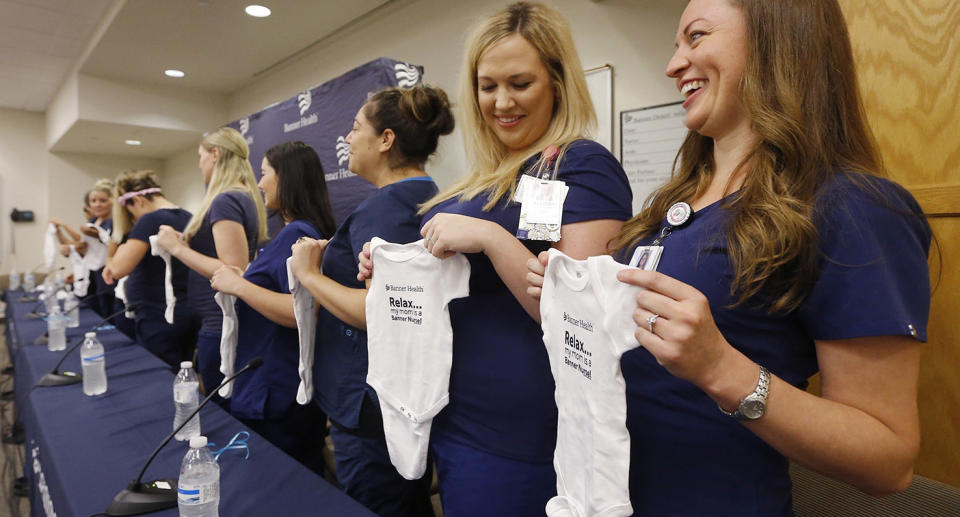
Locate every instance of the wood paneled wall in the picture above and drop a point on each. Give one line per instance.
(908, 65)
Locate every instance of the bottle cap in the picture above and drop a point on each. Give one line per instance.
(198, 441)
(90, 334)
(186, 364)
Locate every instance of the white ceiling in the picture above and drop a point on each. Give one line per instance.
(40, 41)
(220, 48)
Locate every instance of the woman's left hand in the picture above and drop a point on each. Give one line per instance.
(168, 239)
(307, 255)
(447, 234)
(228, 280)
(685, 339)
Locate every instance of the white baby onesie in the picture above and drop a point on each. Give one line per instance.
(410, 343)
(171, 299)
(586, 316)
(96, 254)
(50, 245)
(120, 292)
(81, 276)
(305, 312)
(228, 338)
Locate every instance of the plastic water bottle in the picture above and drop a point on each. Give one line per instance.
(56, 330)
(186, 396)
(14, 280)
(29, 281)
(198, 489)
(71, 306)
(94, 366)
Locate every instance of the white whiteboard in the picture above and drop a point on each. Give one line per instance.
(600, 86)
(649, 141)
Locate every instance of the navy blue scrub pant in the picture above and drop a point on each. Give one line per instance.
(169, 342)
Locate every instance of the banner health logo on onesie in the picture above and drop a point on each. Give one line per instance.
(244, 127)
(407, 75)
(304, 101)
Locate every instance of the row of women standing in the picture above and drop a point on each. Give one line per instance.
(797, 258)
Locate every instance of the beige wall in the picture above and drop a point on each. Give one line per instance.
(50, 184)
(634, 36)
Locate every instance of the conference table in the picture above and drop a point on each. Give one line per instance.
(81, 451)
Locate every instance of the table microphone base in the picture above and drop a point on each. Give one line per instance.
(145, 498)
(35, 315)
(41, 340)
(59, 379)
(29, 299)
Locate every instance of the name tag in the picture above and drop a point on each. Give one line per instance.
(541, 209)
(646, 257)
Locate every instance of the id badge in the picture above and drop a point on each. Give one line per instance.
(541, 209)
(646, 257)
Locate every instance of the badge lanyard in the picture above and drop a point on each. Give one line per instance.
(648, 257)
(541, 203)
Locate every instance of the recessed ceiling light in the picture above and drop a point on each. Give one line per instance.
(132, 142)
(174, 73)
(257, 11)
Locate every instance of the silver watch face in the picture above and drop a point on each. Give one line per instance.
(752, 409)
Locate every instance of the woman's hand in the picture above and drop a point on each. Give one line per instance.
(107, 275)
(228, 280)
(169, 239)
(447, 234)
(364, 264)
(56, 221)
(90, 231)
(685, 339)
(307, 255)
(536, 268)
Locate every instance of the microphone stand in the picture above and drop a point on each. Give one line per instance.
(58, 378)
(161, 494)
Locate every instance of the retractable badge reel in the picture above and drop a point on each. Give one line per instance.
(648, 257)
(541, 203)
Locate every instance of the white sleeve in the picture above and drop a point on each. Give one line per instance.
(455, 272)
(619, 302)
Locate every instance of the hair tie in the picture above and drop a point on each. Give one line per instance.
(130, 195)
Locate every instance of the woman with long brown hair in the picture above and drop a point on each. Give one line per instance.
(784, 253)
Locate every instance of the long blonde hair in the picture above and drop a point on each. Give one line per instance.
(130, 180)
(494, 168)
(800, 90)
(232, 167)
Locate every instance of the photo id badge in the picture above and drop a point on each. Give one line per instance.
(541, 210)
(646, 257)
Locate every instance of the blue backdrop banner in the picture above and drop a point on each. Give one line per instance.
(322, 116)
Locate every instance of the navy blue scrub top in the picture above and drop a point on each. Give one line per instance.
(232, 205)
(501, 387)
(686, 457)
(269, 391)
(145, 283)
(340, 361)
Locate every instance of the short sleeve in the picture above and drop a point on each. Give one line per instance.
(874, 278)
(230, 206)
(599, 188)
(146, 225)
(456, 276)
(619, 301)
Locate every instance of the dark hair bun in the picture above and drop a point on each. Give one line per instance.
(418, 117)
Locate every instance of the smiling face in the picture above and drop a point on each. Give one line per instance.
(514, 92)
(268, 185)
(708, 65)
(100, 204)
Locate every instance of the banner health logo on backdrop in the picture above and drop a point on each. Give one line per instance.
(343, 157)
(407, 75)
(244, 127)
(304, 100)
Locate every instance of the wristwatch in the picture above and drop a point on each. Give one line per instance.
(753, 405)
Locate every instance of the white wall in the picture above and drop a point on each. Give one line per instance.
(182, 181)
(50, 184)
(634, 36)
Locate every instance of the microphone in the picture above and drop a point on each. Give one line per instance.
(161, 494)
(58, 378)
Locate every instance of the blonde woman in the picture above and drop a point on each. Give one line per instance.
(525, 111)
(224, 231)
(140, 210)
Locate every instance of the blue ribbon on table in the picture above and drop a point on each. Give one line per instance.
(235, 443)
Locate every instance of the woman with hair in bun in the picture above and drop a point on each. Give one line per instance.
(224, 231)
(526, 112)
(140, 210)
(294, 187)
(393, 135)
